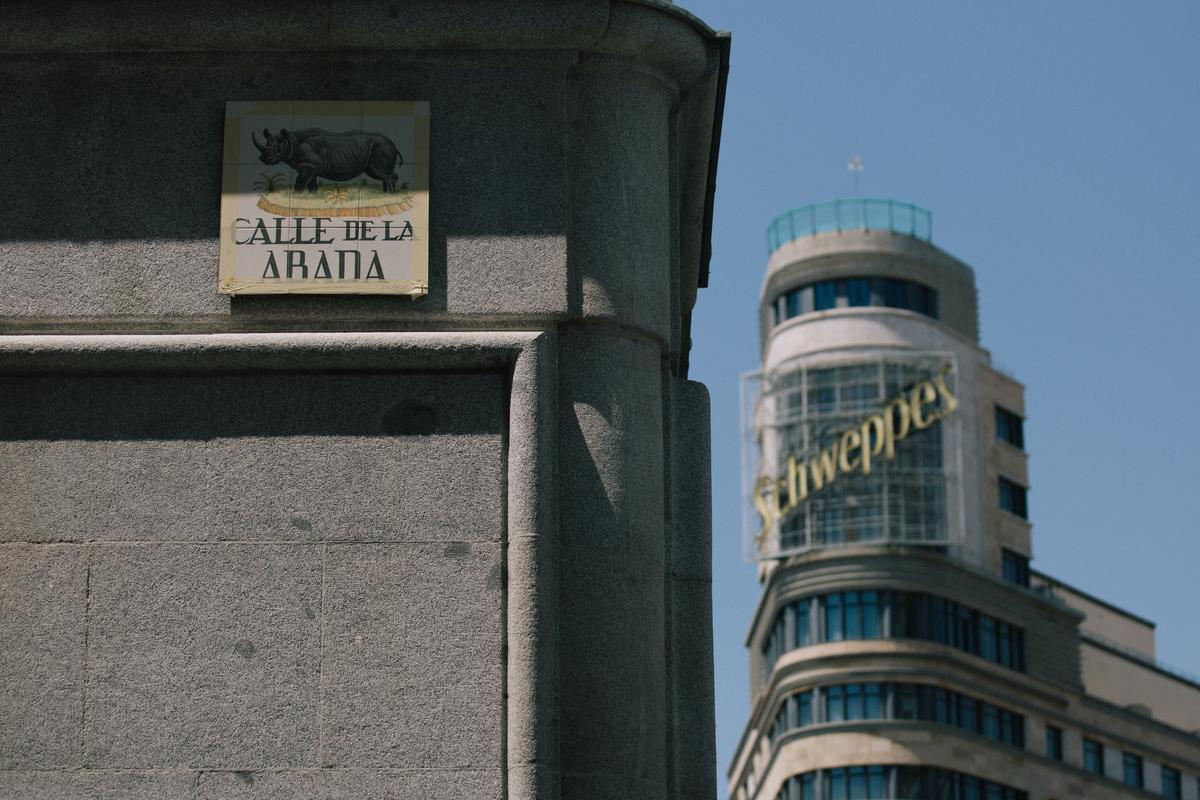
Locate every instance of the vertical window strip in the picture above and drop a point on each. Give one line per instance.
(1171, 784)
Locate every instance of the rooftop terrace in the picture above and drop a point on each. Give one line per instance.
(855, 214)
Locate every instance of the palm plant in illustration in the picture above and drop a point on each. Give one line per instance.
(269, 183)
(336, 195)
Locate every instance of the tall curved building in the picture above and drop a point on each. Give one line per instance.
(902, 646)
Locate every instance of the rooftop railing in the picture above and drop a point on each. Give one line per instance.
(857, 214)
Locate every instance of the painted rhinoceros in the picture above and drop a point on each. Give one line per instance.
(316, 153)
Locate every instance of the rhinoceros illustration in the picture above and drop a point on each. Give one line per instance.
(316, 153)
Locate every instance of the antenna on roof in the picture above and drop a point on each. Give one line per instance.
(855, 167)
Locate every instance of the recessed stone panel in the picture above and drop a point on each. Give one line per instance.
(350, 784)
(413, 665)
(203, 655)
(321, 456)
(42, 599)
(97, 785)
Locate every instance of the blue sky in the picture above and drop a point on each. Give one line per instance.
(1058, 147)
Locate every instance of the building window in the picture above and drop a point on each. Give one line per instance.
(857, 615)
(826, 295)
(1012, 498)
(804, 716)
(852, 615)
(1054, 743)
(1010, 428)
(803, 624)
(1093, 756)
(852, 702)
(1016, 568)
(1131, 770)
(856, 292)
(910, 782)
(1171, 785)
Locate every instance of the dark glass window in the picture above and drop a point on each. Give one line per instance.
(1003, 640)
(1131, 770)
(804, 714)
(834, 631)
(966, 623)
(858, 291)
(774, 645)
(990, 721)
(793, 303)
(907, 703)
(1171, 785)
(854, 701)
(864, 701)
(987, 638)
(1012, 498)
(1012, 728)
(779, 725)
(852, 606)
(803, 623)
(1016, 568)
(863, 291)
(913, 615)
(895, 293)
(918, 297)
(822, 399)
(941, 706)
(835, 784)
(835, 704)
(876, 782)
(825, 295)
(1093, 756)
(871, 615)
(1054, 743)
(1010, 427)
(968, 713)
(874, 705)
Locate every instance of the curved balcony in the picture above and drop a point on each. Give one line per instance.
(854, 214)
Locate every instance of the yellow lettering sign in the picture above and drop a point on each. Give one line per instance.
(856, 448)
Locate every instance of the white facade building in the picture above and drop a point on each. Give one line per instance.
(903, 647)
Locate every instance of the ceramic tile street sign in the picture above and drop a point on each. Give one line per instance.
(325, 198)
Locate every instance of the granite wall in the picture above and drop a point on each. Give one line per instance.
(357, 547)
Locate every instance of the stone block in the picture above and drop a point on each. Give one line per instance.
(413, 666)
(406, 456)
(203, 655)
(97, 785)
(253, 457)
(43, 592)
(80, 455)
(350, 784)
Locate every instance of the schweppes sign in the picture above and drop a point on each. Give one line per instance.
(856, 449)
